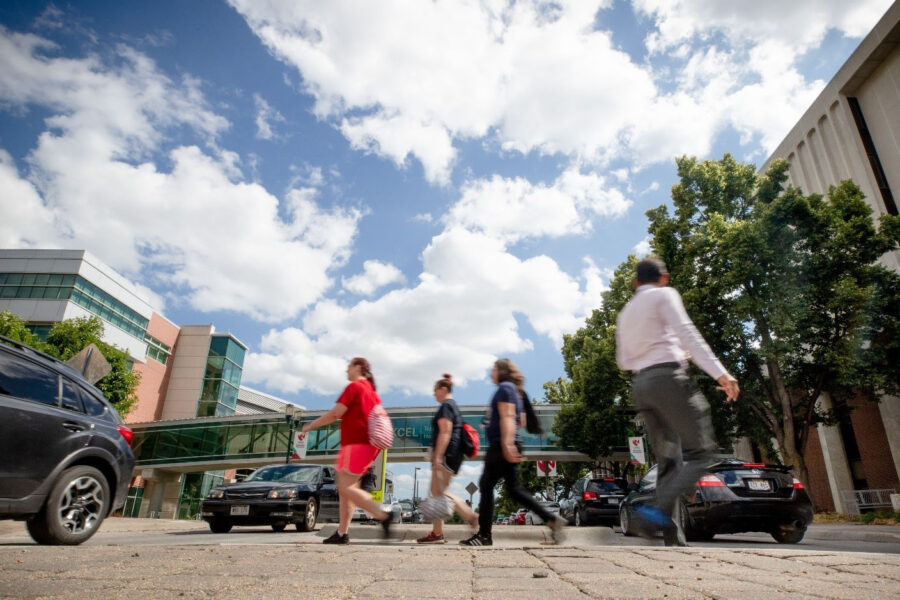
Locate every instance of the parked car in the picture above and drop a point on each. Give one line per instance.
(549, 506)
(593, 500)
(65, 454)
(407, 512)
(734, 497)
(277, 495)
(519, 517)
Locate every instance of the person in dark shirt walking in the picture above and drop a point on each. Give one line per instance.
(446, 457)
(504, 454)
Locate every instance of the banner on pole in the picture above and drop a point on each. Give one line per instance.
(546, 468)
(298, 447)
(636, 449)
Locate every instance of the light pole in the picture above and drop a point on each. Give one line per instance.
(289, 411)
(416, 487)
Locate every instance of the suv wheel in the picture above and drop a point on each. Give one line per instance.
(309, 519)
(579, 522)
(76, 506)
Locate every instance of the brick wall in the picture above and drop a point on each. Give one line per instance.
(818, 489)
(873, 444)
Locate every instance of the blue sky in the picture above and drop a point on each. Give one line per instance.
(431, 185)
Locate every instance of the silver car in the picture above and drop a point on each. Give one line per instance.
(550, 506)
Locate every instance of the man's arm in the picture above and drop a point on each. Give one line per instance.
(508, 428)
(675, 316)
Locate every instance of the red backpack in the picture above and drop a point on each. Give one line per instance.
(470, 440)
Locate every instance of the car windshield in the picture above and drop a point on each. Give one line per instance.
(287, 473)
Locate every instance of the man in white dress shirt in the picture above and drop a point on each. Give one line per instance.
(655, 338)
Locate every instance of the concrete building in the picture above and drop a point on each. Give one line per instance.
(852, 131)
(186, 371)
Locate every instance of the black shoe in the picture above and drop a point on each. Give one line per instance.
(477, 540)
(337, 538)
(386, 525)
(673, 537)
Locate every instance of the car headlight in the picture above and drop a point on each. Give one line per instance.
(216, 494)
(273, 494)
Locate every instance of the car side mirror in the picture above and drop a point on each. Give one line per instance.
(328, 480)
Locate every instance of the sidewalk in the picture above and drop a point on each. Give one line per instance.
(519, 566)
(369, 570)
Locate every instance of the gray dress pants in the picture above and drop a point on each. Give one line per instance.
(677, 418)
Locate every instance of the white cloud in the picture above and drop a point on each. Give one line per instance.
(513, 209)
(459, 318)
(799, 24)
(375, 275)
(408, 80)
(94, 182)
(265, 116)
(642, 248)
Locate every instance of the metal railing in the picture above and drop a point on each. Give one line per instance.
(856, 501)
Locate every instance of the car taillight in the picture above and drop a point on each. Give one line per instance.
(710, 481)
(609, 479)
(589, 496)
(126, 433)
(797, 484)
(754, 465)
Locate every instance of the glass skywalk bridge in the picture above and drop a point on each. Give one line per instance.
(216, 443)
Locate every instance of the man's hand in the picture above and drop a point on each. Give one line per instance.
(511, 453)
(729, 385)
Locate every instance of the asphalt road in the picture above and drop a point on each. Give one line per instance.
(145, 532)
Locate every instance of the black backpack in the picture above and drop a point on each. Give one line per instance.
(532, 424)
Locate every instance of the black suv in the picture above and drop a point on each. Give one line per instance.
(594, 500)
(65, 454)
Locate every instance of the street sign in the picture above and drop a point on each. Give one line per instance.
(636, 449)
(471, 488)
(546, 468)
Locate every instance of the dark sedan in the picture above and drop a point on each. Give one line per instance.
(734, 497)
(277, 495)
(593, 500)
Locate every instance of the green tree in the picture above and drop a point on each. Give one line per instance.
(787, 290)
(67, 338)
(14, 327)
(593, 420)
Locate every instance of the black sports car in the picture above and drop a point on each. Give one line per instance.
(276, 495)
(734, 497)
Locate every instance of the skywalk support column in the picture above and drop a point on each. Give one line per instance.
(163, 489)
(889, 407)
(836, 464)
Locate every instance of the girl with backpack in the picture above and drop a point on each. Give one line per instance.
(357, 454)
(449, 443)
(510, 410)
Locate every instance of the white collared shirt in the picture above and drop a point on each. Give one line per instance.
(655, 328)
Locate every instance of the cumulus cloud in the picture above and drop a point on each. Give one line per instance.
(460, 317)
(405, 80)
(375, 275)
(513, 209)
(93, 181)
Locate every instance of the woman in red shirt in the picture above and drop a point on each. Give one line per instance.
(356, 454)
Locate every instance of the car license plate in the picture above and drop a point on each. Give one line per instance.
(240, 509)
(614, 501)
(758, 485)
